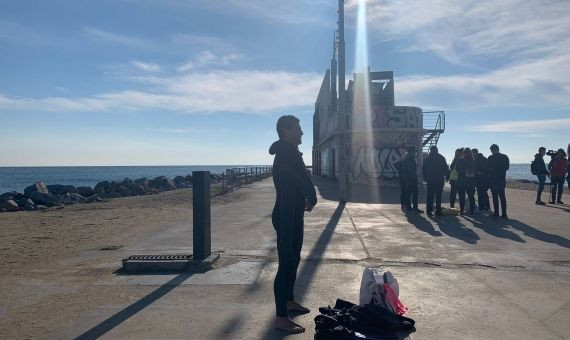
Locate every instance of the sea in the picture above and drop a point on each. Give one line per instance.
(18, 178)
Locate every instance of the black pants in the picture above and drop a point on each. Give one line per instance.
(289, 244)
(402, 193)
(411, 197)
(557, 186)
(452, 193)
(434, 189)
(483, 195)
(541, 181)
(498, 191)
(470, 189)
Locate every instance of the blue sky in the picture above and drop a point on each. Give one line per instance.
(174, 82)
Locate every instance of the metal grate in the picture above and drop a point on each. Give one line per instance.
(172, 257)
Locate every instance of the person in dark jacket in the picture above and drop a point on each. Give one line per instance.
(557, 168)
(295, 194)
(410, 179)
(497, 166)
(541, 173)
(453, 177)
(481, 180)
(402, 184)
(434, 170)
(466, 180)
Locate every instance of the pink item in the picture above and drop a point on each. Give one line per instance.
(392, 299)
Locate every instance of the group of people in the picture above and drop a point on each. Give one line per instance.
(470, 172)
(558, 169)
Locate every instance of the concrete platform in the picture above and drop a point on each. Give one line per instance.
(472, 277)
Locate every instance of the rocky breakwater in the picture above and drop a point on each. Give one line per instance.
(40, 196)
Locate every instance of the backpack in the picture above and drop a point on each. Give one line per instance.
(533, 167)
(381, 288)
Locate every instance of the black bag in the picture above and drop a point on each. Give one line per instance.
(349, 321)
(533, 168)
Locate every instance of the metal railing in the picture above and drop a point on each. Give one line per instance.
(434, 125)
(234, 178)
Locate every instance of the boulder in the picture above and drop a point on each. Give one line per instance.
(10, 205)
(180, 182)
(144, 182)
(12, 195)
(162, 184)
(94, 198)
(29, 205)
(112, 194)
(103, 188)
(41, 207)
(44, 199)
(77, 198)
(3, 210)
(124, 191)
(59, 189)
(127, 183)
(138, 190)
(64, 199)
(38, 187)
(85, 191)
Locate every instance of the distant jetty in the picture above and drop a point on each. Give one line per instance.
(40, 196)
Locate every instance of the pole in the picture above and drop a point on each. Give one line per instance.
(202, 233)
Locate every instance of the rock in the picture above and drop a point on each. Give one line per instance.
(103, 188)
(3, 210)
(112, 194)
(180, 182)
(162, 184)
(77, 198)
(29, 205)
(94, 198)
(144, 182)
(41, 207)
(64, 199)
(59, 189)
(38, 187)
(138, 190)
(10, 205)
(127, 183)
(44, 199)
(124, 191)
(12, 195)
(85, 191)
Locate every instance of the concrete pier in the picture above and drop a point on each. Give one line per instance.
(471, 277)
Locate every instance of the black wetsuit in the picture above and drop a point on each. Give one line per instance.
(293, 187)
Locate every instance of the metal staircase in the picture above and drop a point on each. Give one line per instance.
(434, 126)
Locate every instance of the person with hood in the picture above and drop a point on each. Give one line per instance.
(466, 180)
(497, 166)
(557, 168)
(539, 169)
(434, 170)
(295, 194)
(453, 177)
(410, 179)
(481, 180)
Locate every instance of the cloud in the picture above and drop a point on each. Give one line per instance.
(523, 126)
(246, 91)
(542, 82)
(118, 39)
(458, 31)
(207, 58)
(147, 67)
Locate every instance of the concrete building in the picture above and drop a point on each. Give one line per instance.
(359, 144)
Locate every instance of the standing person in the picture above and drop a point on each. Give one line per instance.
(410, 178)
(435, 170)
(453, 177)
(557, 167)
(539, 169)
(481, 180)
(497, 166)
(403, 204)
(295, 194)
(466, 180)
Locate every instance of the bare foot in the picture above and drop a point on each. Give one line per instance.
(293, 306)
(286, 324)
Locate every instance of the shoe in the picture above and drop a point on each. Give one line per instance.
(505, 217)
(539, 203)
(496, 215)
(559, 202)
(429, 213)
(551, 202)
(419, 211)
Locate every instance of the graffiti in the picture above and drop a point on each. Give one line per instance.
(396, 117)
(371, 162)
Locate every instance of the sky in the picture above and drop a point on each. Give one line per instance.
(172, 82)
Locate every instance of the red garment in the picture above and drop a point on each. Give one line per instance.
(559, 167)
